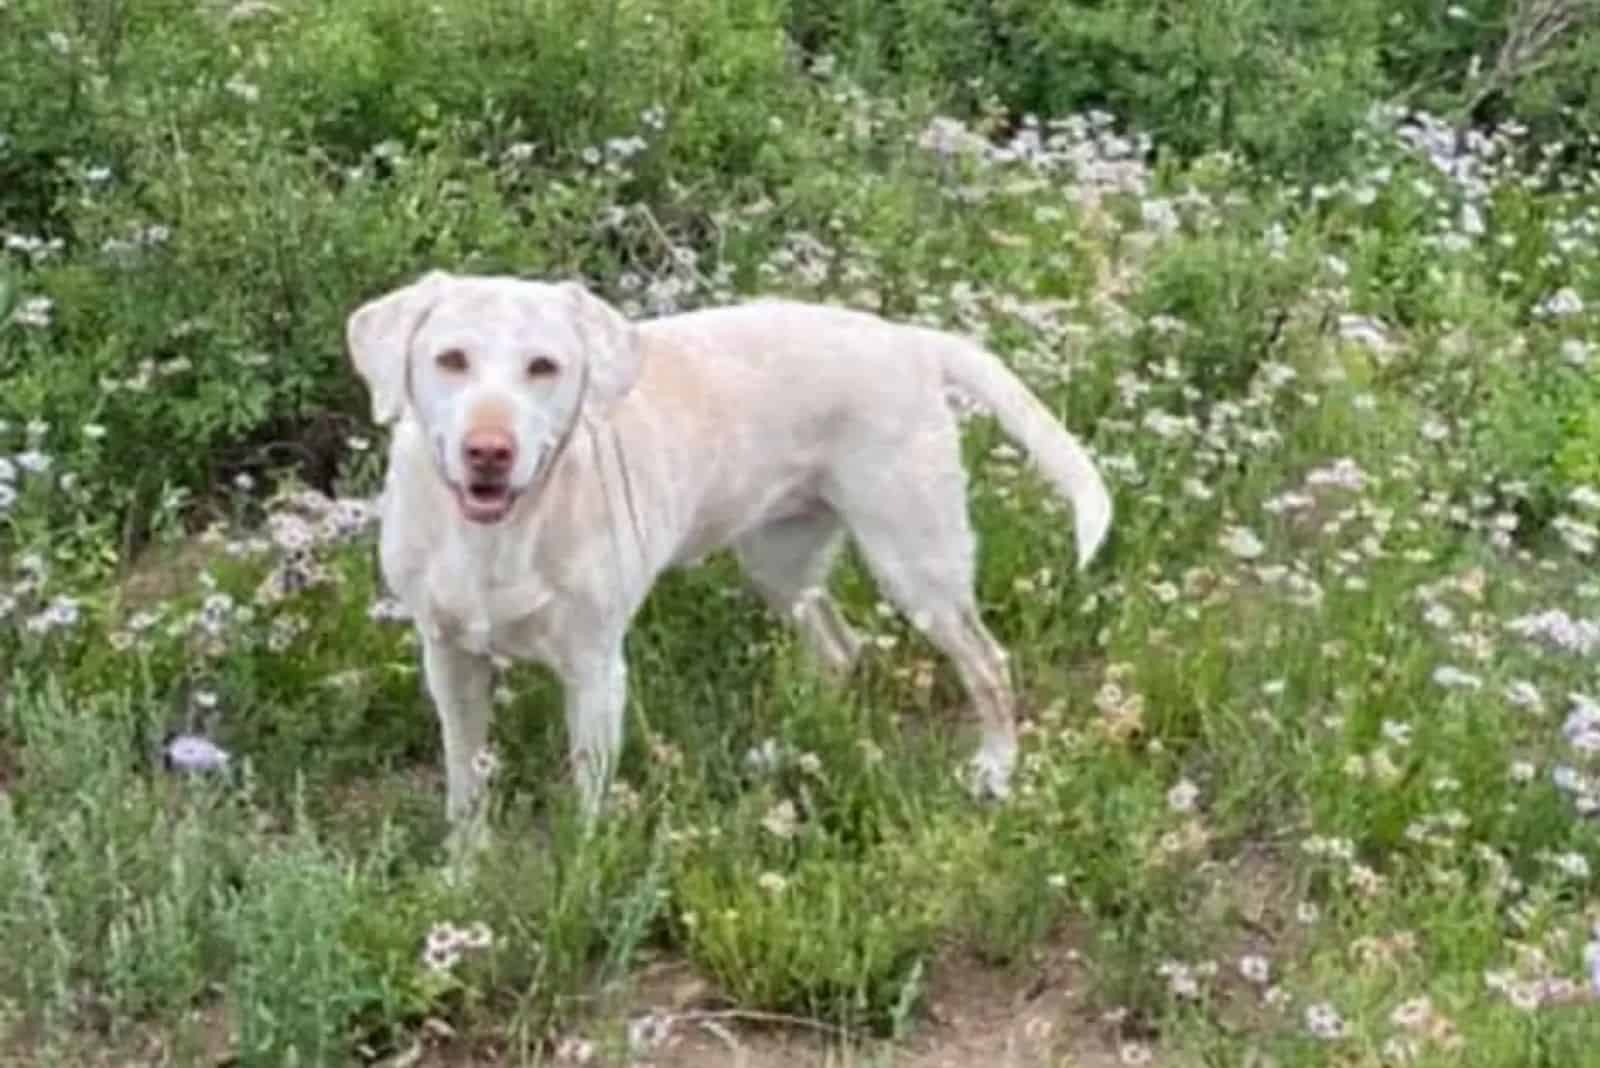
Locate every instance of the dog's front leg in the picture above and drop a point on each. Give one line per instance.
(596, 692)
(459, 683)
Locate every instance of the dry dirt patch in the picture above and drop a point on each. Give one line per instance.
(978, 1016)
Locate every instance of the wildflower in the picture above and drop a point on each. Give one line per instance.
(1365, 881)
(388, 610)
(1159, 215)
(1579, 536)
(1165, 592)
(1570, 863)
(648, 1032)
(1453, 678)
(192, 753)
(1255, 968)
(247, 91)
(34, 312)
(1413, 1014)
(1241, 542)
(1582, 726)
(61, 612)
(622, 797)
(1324, 1022)
(772, 883)
(1383, 768)
(1135, 1053)
(1400, 1049)
(765, 758)
(1181, 797)
(249, 9)
(443, 936)
(1556, 628)
(1191, 837)
(1366, 331)
(440, 959)
(1334, 848)
(1439, 616)
(1560, 304)
(1523, 694)
(1397, 732)
(1525, 996)
(1343, 473)
(477, 936)
(1181, 981)
(782, 821)
(575, 1050)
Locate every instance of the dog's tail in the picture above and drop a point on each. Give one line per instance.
(1055, 452)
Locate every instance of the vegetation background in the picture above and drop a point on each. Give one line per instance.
(1311, 755)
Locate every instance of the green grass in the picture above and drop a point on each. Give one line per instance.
(1291, 761)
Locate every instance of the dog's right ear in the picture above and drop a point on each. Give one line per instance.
(378, 335)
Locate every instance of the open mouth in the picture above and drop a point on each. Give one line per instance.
(485, 500)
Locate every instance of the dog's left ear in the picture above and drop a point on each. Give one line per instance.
(612, 342)
(378, 334)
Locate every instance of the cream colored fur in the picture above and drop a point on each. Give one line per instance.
(773, 428)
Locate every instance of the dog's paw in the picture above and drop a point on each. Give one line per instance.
(988, 773)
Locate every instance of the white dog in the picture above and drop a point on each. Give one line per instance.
(552, 458)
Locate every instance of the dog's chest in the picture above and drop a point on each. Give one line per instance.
(486, 613)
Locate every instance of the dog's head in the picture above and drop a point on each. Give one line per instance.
(496, 370)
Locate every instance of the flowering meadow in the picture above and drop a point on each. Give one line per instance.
(1311, 755)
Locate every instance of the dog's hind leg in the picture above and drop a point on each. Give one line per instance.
(908, 515)
(788, 563)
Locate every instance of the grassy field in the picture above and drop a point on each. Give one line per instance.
(1310, 767)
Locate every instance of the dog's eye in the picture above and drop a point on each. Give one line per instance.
(542, 367)
(453, 360)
